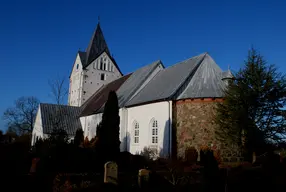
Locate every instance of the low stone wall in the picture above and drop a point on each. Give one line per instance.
(194, 126)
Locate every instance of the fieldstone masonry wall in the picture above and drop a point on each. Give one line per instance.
(195, 127)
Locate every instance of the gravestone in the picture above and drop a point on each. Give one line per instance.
(143, 178)
(110, 172)
(253, 157)
(34, 165)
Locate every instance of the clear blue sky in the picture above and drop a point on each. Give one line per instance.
(39, 39)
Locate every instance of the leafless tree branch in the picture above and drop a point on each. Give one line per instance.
(21, 117)
(58, 89)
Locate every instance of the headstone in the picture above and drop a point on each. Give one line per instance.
(143, 178)
(34, 165)
(110, 172)
(253, 157)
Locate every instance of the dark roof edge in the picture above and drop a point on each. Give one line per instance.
(158, 62)
(100, 88)
(98, 91)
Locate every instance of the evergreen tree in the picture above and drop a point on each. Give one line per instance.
(79, 137)
(108, 130)
(251, 112)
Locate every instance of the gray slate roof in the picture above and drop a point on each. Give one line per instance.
(128, 89)
(133, 83)
(197, 77)
(206, 81)
(166, 83)
(60, 116)
(96, 45)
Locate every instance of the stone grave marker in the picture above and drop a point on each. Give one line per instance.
(34, 165)
(253, 157)
(143, 178)
(110, 172)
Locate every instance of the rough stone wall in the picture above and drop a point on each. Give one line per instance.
(195, 127)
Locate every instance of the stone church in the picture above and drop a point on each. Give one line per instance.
(168, 109)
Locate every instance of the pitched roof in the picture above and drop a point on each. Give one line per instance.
(128, 89)
(165, 84)
(61, 117)
(134, 83)
(96, 45)
(206, 81)
(100, 97)
(129, 85)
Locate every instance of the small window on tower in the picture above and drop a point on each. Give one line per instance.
(102, 77)
(77, 66)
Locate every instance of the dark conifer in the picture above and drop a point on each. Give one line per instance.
(108, 130)
(251, 112)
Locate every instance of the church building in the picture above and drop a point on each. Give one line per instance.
(168, 109)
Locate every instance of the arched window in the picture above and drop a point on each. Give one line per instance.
(109, 65)
(101, 64)
(136, 132)
(154, 131)
(112, 69)
(104, 63)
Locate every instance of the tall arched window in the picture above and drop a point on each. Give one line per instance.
(104, 64)
(136, 132)
(101, 64)
(109, 66)
(154, 131)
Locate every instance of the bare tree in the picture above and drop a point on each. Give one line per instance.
(21, 117)
(59, 92)
(58, 89)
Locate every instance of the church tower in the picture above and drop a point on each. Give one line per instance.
(92, 69)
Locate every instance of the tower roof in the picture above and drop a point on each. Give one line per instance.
(227, 75)
(97, 45)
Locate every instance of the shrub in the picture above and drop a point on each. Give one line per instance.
(191, 155)
(149, 153)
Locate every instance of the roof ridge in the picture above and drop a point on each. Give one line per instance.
(206, 81)
(155, 63)
(190, 75)
(186, 60)
(134, 95)
(62, 105)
